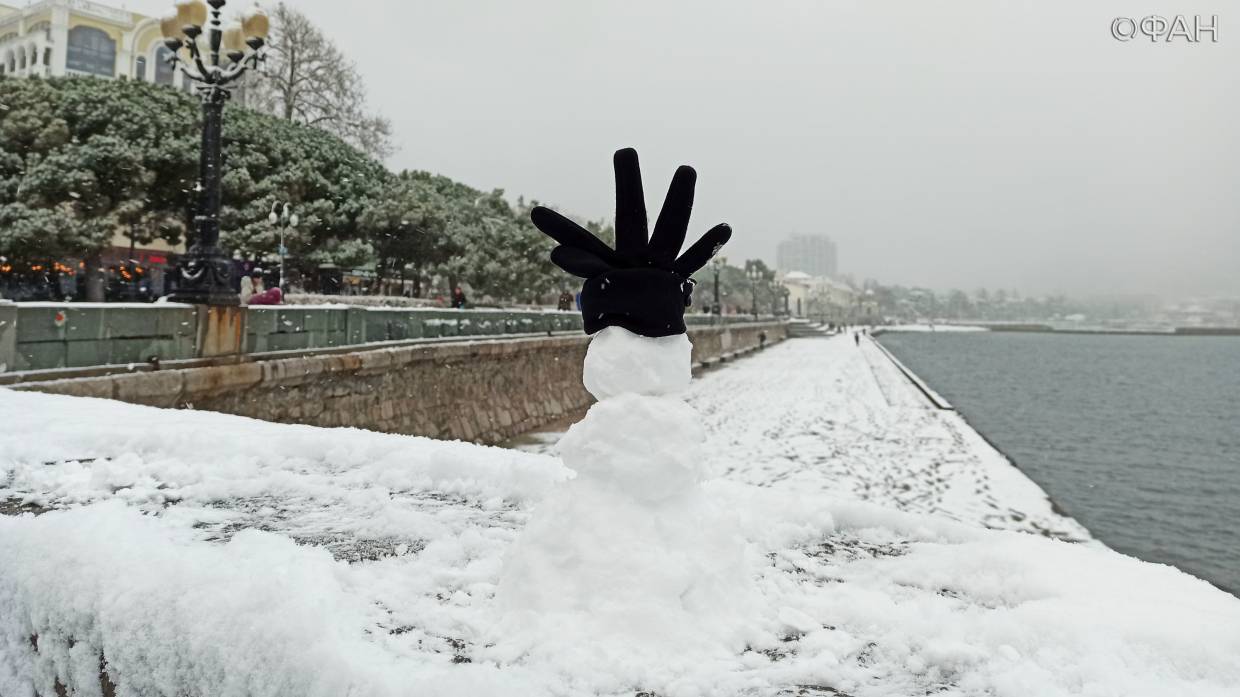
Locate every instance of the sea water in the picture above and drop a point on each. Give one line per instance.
(1137, 437)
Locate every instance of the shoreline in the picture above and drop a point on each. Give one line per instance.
(1048, 329)
(922, 386)
(915, 385)
(1055, 506)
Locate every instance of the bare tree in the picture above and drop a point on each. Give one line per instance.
(308, 80)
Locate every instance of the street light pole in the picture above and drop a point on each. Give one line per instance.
(204, 272)
(717, 265)
(282, 220)
(754, 274)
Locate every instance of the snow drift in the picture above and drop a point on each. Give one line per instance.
(207, 554)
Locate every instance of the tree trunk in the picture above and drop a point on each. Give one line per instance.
(289, 95)
(95, 278)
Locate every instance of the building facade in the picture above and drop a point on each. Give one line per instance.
(819, 297)
(54, 38)
(814, 255)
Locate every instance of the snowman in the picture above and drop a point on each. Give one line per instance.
(631, 552)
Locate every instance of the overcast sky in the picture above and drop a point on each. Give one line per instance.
(950, 144)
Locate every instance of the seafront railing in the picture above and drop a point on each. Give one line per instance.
(46, 336)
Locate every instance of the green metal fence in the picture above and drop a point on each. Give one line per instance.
(45, 336)
(73, 335)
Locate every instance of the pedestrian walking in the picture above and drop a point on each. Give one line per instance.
(857, 338)
(458, 298)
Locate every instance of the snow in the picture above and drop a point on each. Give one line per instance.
(829, 416)
(210, 554)
(630, 561)
(619, 361)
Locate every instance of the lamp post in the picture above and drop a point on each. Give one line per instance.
(783, 290)
(204, 272)
(755, 274)
(282, 220)
(717, 265)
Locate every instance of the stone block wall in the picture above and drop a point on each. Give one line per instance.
(485, 391)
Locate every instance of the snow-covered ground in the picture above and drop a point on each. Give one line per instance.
(206, 554)
(837, 418)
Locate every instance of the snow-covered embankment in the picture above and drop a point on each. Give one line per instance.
(204, 554)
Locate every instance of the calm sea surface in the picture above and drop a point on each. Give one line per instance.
(1137, 437)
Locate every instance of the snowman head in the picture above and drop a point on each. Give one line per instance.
(641, 285)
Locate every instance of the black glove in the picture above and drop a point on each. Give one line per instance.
(641, 285)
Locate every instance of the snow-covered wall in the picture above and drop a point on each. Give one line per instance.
(480, 391)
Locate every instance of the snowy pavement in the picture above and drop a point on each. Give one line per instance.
(206, 554)
(831, 416)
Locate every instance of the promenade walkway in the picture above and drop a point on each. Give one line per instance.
(830, 416)
(207, 554)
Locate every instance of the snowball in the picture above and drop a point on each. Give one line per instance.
(619, 361)
(646, 448)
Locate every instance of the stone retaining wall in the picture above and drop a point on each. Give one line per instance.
(485, 391)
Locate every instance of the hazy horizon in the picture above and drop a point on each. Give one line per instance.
(979, 144)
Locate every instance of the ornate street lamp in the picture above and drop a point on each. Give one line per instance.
(204, 272)
(717, 265)
(282, 220)
(755, 275)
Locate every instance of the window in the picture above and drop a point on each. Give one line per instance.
(47, 56)
(91, 51)
(139, 68)
(164, 72)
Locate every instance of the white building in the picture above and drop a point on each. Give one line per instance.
(53, 38)
(818, 296)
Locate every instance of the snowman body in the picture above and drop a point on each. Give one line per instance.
(632, 548)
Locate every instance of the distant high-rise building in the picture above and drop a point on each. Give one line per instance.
(811, 254)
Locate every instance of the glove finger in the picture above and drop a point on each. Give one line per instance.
(695, 257)
(673, 223)
(578, 262)
(631, 230)
(570, 234)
